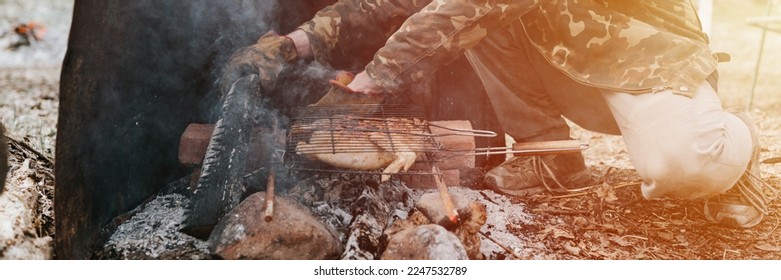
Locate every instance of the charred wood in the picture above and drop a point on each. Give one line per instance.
(373, 211)
(220, 187)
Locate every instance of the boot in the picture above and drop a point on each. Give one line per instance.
(745, 204)
(524, 175)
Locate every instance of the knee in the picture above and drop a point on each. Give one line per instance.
(686, 175)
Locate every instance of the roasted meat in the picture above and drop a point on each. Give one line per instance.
(365, 144)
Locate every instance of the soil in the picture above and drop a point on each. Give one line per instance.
(611, 220)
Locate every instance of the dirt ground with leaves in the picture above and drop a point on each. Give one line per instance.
(609, 221)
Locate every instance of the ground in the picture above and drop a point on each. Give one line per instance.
(610, 221)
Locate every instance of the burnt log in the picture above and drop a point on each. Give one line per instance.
(372, 211)
(220, 186)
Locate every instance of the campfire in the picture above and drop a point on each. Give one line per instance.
(344, 182)
(333, 216)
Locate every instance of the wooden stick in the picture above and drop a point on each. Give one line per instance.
(450, 209)
(589, 189)
(506, 249)
(268, 212)
(549, 147)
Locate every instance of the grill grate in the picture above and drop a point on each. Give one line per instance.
(358, 130)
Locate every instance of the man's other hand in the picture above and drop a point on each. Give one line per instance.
(364, 83)
(342, 92)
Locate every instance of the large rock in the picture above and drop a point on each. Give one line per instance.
(426, 242)
(294, 233)
(430, 209)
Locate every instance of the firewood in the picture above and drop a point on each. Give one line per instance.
(268, 211)
(452, 214)
(373, 211)
(220, 186)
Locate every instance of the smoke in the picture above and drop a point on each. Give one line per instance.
(156, 65)
(135, 74)
(241, 24)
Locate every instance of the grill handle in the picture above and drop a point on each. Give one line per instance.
(463, 132)
(549, 147)
(529, 148)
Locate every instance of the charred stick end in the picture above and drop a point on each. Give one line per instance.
(450, 209)
(268, 211)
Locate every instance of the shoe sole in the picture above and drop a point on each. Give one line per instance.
(582, 178)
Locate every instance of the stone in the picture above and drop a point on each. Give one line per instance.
(432, 206)
(472, 216)
(425, 242)
(294, 233)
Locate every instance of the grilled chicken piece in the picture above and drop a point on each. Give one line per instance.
(353, 148)
(342, 151)
(404, 157)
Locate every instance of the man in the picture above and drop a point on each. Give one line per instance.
(639, 68)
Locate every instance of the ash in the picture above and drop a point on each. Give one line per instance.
(153, 233)
(341, 200)
(345, 203)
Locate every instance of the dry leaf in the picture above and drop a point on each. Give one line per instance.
(666, 235)
(603, 241)
(580, 221)
(557, 232)
(606, 193)
(571, 248)
(619, 240)
(768, 247)
(772, 160)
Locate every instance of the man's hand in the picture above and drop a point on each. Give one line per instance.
(364, 83)
(346, 90)
(266, 58)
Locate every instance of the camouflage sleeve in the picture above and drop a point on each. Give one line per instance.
(438, 34)
(348, 27)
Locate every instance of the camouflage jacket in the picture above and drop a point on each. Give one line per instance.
(630, 46)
